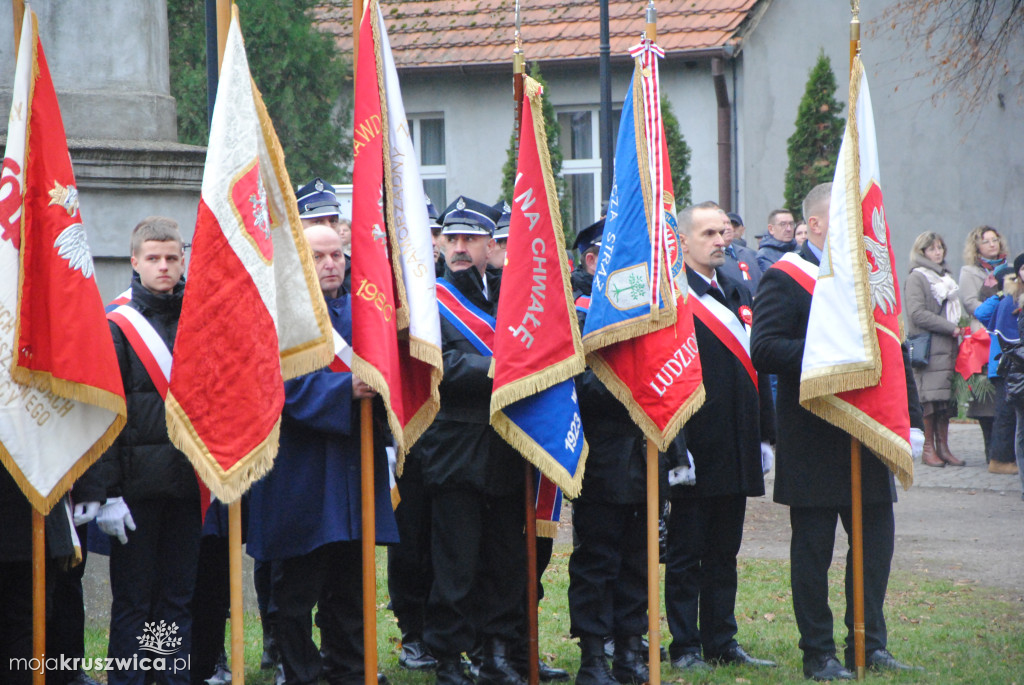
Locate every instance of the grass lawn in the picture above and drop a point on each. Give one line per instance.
(959, 633)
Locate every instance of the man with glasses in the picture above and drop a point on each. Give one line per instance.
(779, 240)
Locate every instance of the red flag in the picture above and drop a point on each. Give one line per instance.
(253, 315)
(853, 373)
(639, 333)
(61, 397)
(396, 336)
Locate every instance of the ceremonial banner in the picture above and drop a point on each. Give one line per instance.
(639, 334)
(537, 347)
(61, 397)
(853, 374)
(253, 314)
(396, 332)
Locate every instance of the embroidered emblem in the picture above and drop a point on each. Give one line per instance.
(64, 196)
(72, 246)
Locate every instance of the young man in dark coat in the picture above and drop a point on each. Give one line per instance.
(813, 469)
(473, 477)
(727, 440)
(151, 493)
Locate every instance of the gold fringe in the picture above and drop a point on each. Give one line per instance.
(891, 449)
(571, 484)
(536, 382)
(394, 249)
(833, 379)
(396, 498)
(230, 485)
(317, 353)
(626, 330)
(405, 437)
(72, 390)
(44, 503)
(547, 529)
(624, 394)
(426, 351)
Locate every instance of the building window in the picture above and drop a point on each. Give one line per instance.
(579, 133)
(427, 132)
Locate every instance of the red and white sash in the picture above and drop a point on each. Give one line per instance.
(147, 343)
(156, 357)
(799, 269)
(342, 361)
(729, 330)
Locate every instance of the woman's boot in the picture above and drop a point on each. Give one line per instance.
(928, 457)
(942, 440)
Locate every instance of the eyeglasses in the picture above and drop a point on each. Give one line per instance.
(785, 224)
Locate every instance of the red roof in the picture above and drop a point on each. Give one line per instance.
(476, 33)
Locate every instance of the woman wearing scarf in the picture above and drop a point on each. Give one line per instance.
(932, 305)
(984, 251)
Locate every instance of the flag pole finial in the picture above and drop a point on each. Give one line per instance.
(854, 31)
(651, 16)
(518, 63)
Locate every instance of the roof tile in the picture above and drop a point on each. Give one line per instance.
(451, 33)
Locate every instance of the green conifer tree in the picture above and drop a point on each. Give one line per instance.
(508, 171)
(678, 156)
(814, 146)
(305, 84)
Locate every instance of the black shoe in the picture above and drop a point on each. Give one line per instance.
(451, 672)
(497, 667)
(882, 660)
(594, 668)
(416, 657)
(690, 662)
(628, 665)
(736, 655)
(826, 667)
(549, 673)
(381, 678)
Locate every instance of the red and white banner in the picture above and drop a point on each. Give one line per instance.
(61, 397)
(853, 373)
(253, 314)
(396, 331)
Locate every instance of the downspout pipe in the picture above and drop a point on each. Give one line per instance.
(724, 131)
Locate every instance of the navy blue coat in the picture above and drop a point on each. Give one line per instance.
(311, 496)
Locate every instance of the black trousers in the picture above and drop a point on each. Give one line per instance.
(814, 533)
(1004, 426)
(608, 570)
(65, 626)
(151, 580)
(410, 573)
(329, 577)
(704, 536)
(211, 603)
(479, 560)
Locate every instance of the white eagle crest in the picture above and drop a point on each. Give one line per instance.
(72, 246)
(883, 291)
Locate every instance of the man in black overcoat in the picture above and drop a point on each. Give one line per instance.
(813, 468)
(726, 439)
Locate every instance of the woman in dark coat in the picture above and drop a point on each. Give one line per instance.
(932, 305)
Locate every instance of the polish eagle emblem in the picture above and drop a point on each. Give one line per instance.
(883, 290)
(64, 196)
(72, 246)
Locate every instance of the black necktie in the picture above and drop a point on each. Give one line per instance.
(716, 292)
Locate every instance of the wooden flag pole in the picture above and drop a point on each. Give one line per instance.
(653, 557)
(237, 607)
(38, 520)
(369, 539)
(529, 497)
(856, 503)
(39, 593)
(19, 16)
(369, 526)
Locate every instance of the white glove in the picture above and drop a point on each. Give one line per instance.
(114, 517)
(767, 457)
(916, 442)
(85, 512)
(683, 475)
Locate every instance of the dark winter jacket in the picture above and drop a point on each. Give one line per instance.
(142, 463)
(771, 251)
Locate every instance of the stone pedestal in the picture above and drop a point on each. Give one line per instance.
(109, 63)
